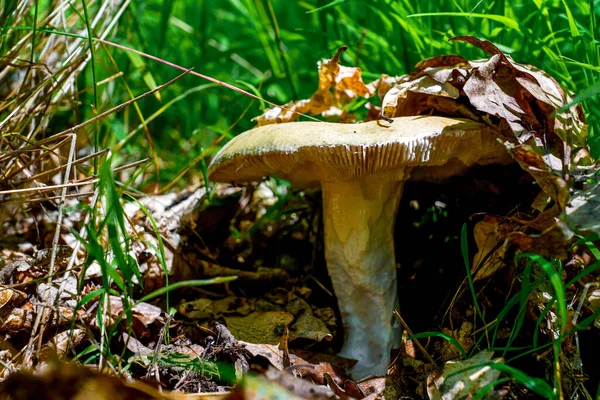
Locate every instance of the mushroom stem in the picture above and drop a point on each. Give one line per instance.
(359, 218)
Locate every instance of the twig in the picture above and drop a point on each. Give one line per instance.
(425, 353)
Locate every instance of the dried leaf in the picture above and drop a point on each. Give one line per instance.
(9, 299)
(463, 336)
(552, 242)
(583, 210)
(279, 385)
(394, 102)
(552, 184)
(310, 327)
(338, 85)
(484, 45)
(448, 60)
(490, 249)
(493, 88)
(463, 379)
(18, 320)
(260, 327)
(144, 315)
(61, 343)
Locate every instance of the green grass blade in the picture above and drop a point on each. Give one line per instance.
(326, 6)
(509, 22)
(450, 339)
(537, 385)
(555, 281)
(190, 283)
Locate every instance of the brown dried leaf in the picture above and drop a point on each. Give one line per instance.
(395, 101)
(484, 45)
(259, 327)
(61, 343)
(279, 385)
(490, 249)
(307, 326)
(463, 336)
(338, 85)
(552, 184)
(18, 320)
(448, 60)
(552, 242)
(569, 126)
(493, 88)
(536, 93)
(381, 85)
(144, 315)
(9, 299)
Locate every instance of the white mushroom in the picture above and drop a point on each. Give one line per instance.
(361, 169)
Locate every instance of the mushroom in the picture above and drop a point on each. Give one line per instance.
(361, 169)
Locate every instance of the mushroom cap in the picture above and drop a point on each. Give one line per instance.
(311, 152)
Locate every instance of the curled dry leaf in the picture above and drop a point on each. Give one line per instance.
(493, 89)
(260, 327)
(448, 60)
(144, 314)
(464, 336)
(491, 248)
(551, 183)
(463, 379)
(9, 299)
(338, 85)
(279, 385)
(397, 101)
(583, 210)
(19, 319)
(552, 242)
(60, 344)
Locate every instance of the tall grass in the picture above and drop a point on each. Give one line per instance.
(273, 46)
(270, 48)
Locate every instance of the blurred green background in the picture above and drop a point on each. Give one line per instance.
(271, 48)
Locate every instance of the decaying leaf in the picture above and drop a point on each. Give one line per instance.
(398, 102)
(307, 326)
(552, 242)
(449, 60)
(338, 85)
(61, 343)
(550, 182)
(9, 299)
(279, 385)
(260, 327)
(583, 210)
(463, 379)
(19, 319)
(316, 371)
(490, 248)
(144, 315)
(464, 336)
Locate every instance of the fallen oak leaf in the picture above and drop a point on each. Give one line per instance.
(551, 243)
(552, 184)
(259, 327)
(394, 103)
(448, 60)
(484, 45)
(493, 89)
(338, 85)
